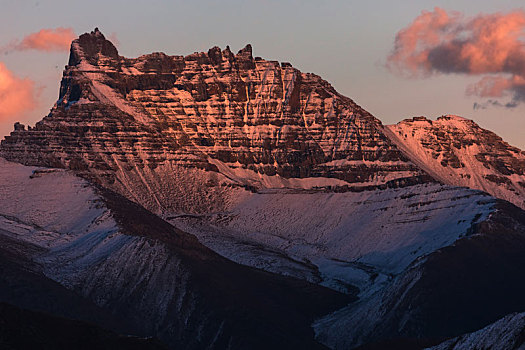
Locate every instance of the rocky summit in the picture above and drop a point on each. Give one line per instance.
(457, 151)
(212, 110)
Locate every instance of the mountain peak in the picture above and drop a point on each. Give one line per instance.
(246, 51)
(215, 110)
(90, 46)
(97, 32)
(457, 151)
(453, 117)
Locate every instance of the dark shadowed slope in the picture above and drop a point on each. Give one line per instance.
(457, 289)
(507, 333)
(25, 330)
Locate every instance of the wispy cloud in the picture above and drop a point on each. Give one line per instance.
(114, 39)
(49, 40)
(487, 45)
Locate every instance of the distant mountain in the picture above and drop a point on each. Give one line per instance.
(458, 152)
(224, 201)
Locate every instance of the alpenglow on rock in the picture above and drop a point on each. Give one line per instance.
(123, 118)
(458, 152)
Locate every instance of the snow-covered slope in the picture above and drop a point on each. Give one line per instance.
(49, 207)
(144, 271)
(456, 289)
(138, 267)
(458, 152)
(341, 239)
(505, 334)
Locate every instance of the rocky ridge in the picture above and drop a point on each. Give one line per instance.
(128, 121)
(458, 152)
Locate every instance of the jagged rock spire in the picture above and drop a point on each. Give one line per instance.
(89, 45)
(246, 51)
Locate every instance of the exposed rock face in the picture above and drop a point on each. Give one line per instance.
(134, 120)
(459, 152)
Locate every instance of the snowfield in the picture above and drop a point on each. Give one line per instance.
(340, 239)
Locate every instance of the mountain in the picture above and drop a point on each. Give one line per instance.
(77, 251)
(224, 201)
(254, 123)
(458, 152)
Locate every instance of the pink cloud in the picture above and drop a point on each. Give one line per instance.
(413, 43)
(16, 95)
(495, 86)
(441, 42)
(49, 40)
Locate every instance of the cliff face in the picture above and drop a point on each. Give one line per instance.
(457, 151)
(155, 126)
(133, 120)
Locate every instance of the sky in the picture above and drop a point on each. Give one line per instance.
(355, 45)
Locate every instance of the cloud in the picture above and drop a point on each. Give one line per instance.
(487, 45)
(49, 40)
(114, 39)
(496, 103)
(16, 95)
